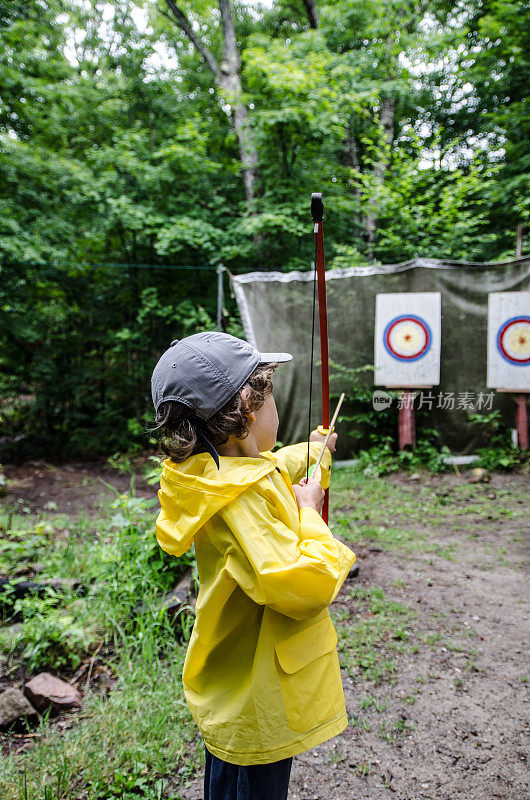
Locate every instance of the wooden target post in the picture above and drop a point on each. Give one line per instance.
(521, 421)
(407, 351)
(509, 353)
(407, 421)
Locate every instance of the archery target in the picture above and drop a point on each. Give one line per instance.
(407, 339)
(509, 341)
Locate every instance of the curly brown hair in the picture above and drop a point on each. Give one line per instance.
(181, 426)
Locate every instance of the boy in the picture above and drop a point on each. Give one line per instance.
(261, 675)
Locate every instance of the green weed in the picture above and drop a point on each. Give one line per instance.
(363, 643)
(363, 769)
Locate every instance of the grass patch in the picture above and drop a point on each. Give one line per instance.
(365, 644)
(122, 746)
(376, 509)
(118, 565)
(139, 740)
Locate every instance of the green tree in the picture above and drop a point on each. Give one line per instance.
(413, 121)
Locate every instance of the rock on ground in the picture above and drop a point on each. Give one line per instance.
(46, 690)
(14, 706)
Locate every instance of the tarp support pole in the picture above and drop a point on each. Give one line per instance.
(519, 242)
(220, 298)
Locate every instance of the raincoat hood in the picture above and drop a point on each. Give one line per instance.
(193, 491)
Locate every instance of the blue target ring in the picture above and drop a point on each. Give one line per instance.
(407, 338)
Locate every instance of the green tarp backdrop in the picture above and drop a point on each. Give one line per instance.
(276, 310)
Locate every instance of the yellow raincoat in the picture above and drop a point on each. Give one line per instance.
(261, 675)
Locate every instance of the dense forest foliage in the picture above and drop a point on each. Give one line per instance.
(184, 133)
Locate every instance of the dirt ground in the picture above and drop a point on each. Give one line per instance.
(68, 488)
(452, 721)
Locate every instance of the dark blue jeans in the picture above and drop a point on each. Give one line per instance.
(223, 781)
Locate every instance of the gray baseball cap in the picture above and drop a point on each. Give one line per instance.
(205, 370)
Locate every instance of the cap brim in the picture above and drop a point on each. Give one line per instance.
(279, 358)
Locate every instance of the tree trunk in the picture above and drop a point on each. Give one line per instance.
(312, 12)
(230, 83)
(227, 77)
(387, 125)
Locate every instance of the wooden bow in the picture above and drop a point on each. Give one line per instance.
(317, 212)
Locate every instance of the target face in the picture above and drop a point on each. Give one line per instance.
(509, 341)
(513, 341)
(407, 337)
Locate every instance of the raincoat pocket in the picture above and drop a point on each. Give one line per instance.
(308, 667)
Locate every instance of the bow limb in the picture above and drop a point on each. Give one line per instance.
(317, 212)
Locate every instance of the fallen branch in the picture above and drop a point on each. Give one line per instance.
(24, 588)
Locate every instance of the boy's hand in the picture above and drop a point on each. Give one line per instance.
(309, 494)
(316, 436)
